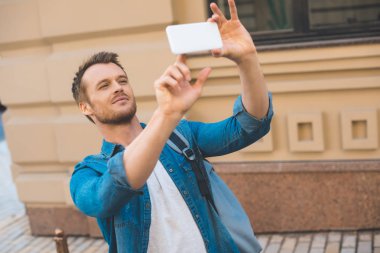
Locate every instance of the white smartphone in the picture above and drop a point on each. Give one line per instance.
(194, 38)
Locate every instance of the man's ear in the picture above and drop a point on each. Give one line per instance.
(85, 108)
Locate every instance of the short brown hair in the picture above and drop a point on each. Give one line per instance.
(98, 58)
(77, 88)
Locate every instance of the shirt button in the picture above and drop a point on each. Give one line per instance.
(171, 170)
(197, 216)
(147, 205)
(185, 192)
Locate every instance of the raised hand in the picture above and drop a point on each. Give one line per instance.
(175, 94)
(237, 42)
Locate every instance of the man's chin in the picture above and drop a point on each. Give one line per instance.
(118, 119)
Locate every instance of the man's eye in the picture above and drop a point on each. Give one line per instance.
(123, 81)
(102, 87)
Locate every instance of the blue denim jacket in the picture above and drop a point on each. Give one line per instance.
(99, 186)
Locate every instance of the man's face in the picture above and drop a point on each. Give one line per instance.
(110, 98)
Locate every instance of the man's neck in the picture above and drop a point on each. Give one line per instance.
(122, 134)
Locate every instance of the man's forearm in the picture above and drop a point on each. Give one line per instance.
(141, 156)
(254, 89)
(175, 96)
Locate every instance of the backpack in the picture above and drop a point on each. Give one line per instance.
(218, 195)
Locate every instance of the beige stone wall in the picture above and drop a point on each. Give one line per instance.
(326, 100)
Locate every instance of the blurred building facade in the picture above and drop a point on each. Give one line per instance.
(318, 168)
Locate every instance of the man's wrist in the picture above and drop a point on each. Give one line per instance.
(172, 116)
(247, 59)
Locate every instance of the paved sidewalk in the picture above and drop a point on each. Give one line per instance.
(7, 188)
(15, 236)
(323, 242)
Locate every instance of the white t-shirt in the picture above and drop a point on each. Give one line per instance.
(172, 228)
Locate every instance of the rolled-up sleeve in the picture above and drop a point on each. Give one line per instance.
(116, 169)
(248, 122)
(101, 194)
(232, 134)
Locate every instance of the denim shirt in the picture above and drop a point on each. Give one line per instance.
(99, 186)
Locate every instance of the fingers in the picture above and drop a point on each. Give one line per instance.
(172, 80)
(217, 52)
(178, 76)
(175, 75)
(215, 18)
(182, 67)
(181, 58)
(233, 10)
(215, 9)
(202, 77)
(169, 81)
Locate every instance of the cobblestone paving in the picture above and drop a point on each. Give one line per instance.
(15, 236)
(322, 242)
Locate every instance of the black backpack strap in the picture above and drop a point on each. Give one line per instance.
(179, 143)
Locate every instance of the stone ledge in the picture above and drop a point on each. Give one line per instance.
(277, 196)
(298, 166)
(307, 196)
(44, 220)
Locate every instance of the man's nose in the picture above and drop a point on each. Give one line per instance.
(116, 86)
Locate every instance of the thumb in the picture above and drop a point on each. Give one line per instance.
(181, 58)
(217, 52)
(202, 77)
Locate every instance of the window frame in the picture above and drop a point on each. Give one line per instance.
(302, 32)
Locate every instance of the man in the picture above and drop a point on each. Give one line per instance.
(140, 190)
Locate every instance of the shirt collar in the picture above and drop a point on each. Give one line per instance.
(109, 148)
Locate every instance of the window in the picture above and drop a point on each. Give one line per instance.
(282, 21)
